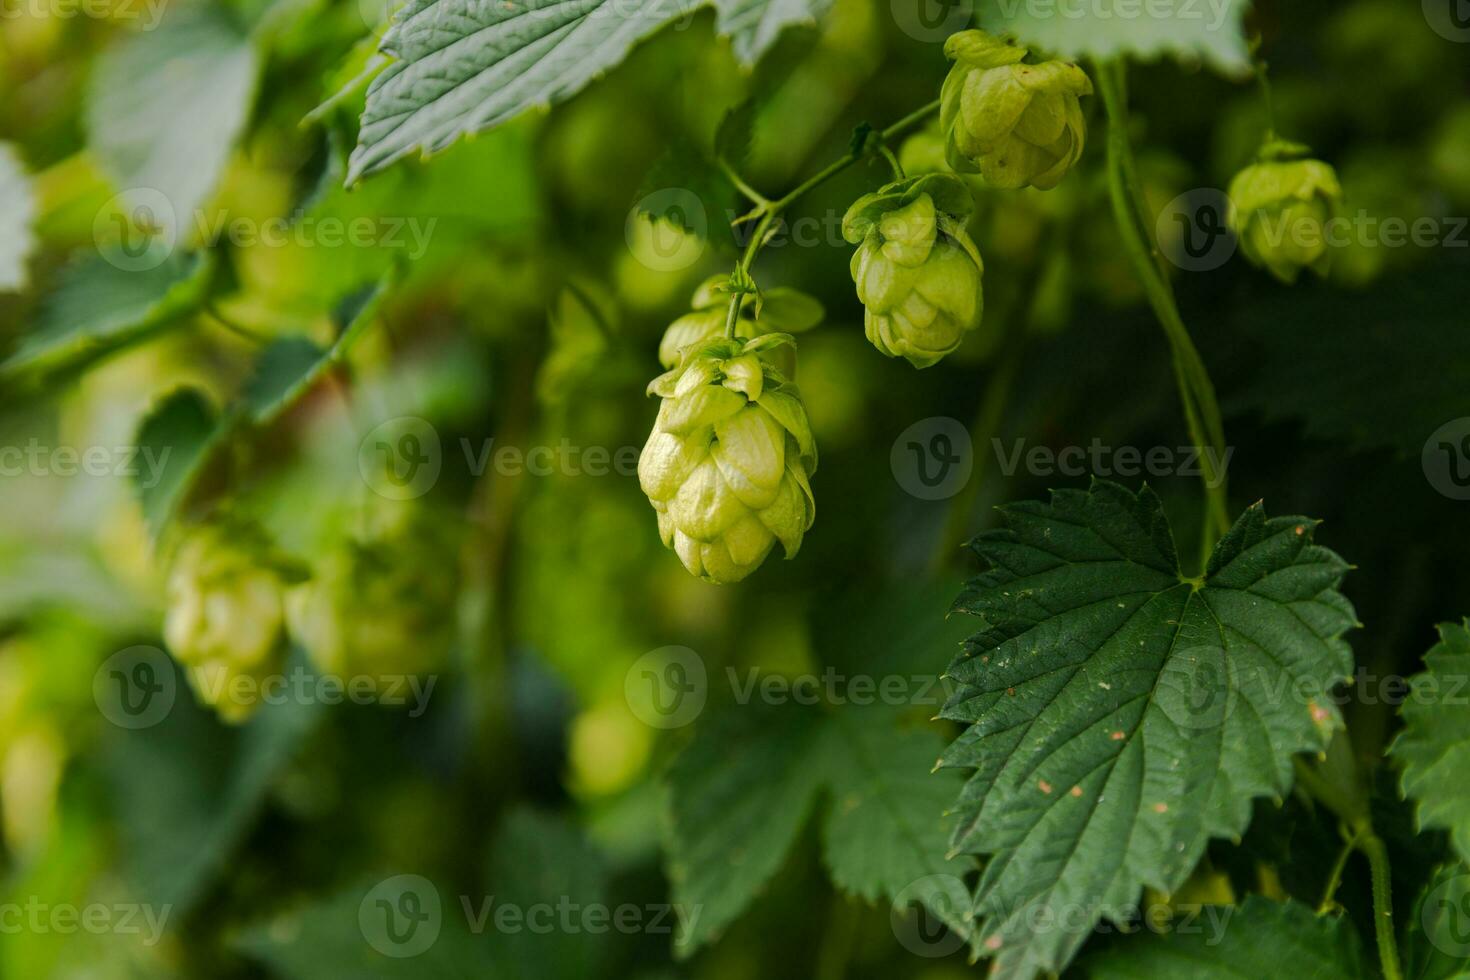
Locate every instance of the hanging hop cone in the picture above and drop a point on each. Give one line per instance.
(1015, 124)
(729, 462)
(226, 618)
(917, 272)
(1280, 208)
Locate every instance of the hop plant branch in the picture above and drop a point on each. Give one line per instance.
(1196, 391)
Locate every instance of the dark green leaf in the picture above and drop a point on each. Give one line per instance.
(1122, 714)
(1434, 748)
(179, 433)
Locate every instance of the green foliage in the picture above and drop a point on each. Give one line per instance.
(1435, 744)
(17, 209)
(1213, 33)
(1259, 938)
(1122, 714)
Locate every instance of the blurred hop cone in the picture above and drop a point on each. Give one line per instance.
(917, 271)
(1280, 208)
(382, 604)
(729, 461)
(1018, 125)
(226, 614)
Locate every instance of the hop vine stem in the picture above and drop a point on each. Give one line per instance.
(1196, 390)
(766, 212)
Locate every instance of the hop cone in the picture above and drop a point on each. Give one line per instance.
(1280, 207)
(917, 272)
(226, 617)
(1017, 125)
(727, 466)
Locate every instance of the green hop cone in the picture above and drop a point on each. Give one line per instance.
(1280, 207)
(780, 310)
(226, 614)
(1015, 124)
(917, 272)
(381, 606)
(729, 462)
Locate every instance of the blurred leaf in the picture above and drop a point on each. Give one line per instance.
(541, 867)
(1103, 674)
(1434, 747)
(465, 66)
(683, 167)
(885, 834)
(1437, 935)
(738, 795)
(1260, 938)
(97, 309)
(17, 211)
(540, 859)
(187, 790)
(179, 432)
(165, 108)
(736, 132)
(1184, 29)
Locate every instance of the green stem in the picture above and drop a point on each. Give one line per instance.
(1334, 880)
(1373, 848)
(1196, 391)
(768, 211)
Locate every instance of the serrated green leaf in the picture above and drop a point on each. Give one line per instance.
(166, 106)
(179, 433)
(1188, 29)
(98, 308)
(1437, 935)
(1260, 938)
(1122, 714)
(17, 211)
(463, 67)
(1434, 747)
